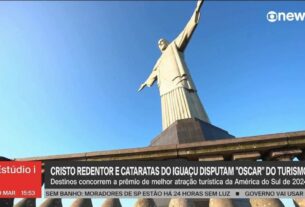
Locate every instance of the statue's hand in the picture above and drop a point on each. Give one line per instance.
(199, 4)
(142, 86)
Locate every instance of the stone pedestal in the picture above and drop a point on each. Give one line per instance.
(188, 131)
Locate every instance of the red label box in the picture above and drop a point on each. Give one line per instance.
(20, 179)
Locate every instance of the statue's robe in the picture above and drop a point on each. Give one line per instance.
(179, 99)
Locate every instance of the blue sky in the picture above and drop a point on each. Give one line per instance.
(69, 71)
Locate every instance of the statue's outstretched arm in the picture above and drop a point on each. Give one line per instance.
(184, 37)
(151, 78)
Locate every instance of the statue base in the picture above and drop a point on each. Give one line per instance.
(188, 131)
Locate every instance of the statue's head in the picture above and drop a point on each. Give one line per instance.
(162, 44)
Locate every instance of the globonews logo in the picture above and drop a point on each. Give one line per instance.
(273, 16)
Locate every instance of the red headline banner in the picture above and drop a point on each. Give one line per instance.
(20, 179)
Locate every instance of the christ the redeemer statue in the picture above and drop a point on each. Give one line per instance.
(179, 99)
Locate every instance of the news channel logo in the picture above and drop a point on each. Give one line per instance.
(273, 16)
